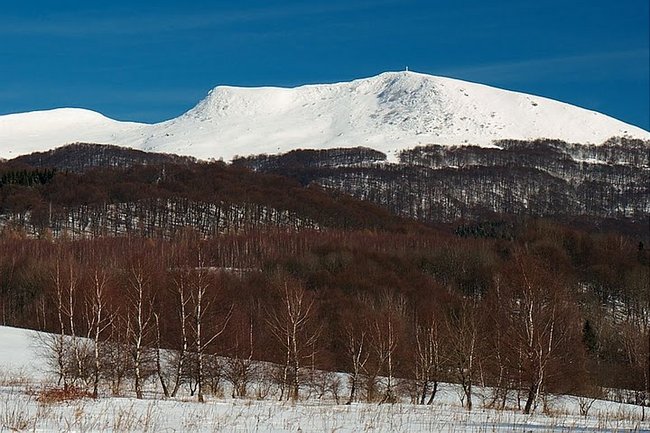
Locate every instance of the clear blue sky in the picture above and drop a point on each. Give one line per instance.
(152, 60)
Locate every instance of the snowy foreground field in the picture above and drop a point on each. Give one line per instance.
(23, 376)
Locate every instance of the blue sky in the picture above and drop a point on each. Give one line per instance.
(153, 60)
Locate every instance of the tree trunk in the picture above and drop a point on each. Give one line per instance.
(425, 390)
(161, 377)
(97, 369)
(138, 379)
(199, 378)
(433, 392)
(530, 401)
(353, 388)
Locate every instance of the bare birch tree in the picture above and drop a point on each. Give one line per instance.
(542, 325)
(202, 305)
(462, 329)
(428, 357)
(356, 344)
(139, 323)
(387, 328)
(65, 348)
(99, 319)
(292, 325)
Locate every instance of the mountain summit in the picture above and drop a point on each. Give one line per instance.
(389, 112)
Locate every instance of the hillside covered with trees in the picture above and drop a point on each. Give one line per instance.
(553, 310)
(445, 183)
(153, 198)
(228, 267)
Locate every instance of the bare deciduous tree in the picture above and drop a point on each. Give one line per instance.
(356, 344)
(387, 328)
(98, 319)
(68, 352)
(542, 325)
(292, 325)
(139, 323)
(462, 325)
(239, 368)
(202, 305)
(428, 357)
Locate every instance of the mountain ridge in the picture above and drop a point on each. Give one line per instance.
(389, 112)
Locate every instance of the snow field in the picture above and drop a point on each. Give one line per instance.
(24, 376)
(21, 411)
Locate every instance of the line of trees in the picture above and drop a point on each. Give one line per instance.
(553, 311)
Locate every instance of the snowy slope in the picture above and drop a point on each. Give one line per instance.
(389, 112)
(24, 133)
(20, 355)
(22, 376)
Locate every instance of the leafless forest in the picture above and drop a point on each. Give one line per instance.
(228, 267)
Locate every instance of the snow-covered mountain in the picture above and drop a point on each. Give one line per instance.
(389, 112)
